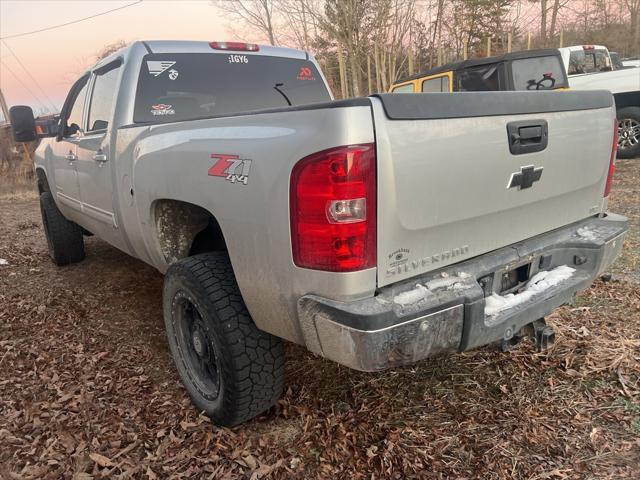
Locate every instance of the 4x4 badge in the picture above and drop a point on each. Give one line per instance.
(525, 178)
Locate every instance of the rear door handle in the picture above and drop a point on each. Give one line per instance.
(70, 157)
(527, 136)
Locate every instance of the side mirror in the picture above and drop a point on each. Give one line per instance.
(72, 130)
(23, 124)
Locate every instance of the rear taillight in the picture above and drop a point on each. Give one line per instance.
(612, 160)
(237, 46)
(333, 209)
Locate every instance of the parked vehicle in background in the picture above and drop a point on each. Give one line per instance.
(375, 231)
(624, 84)
(631, 62)
(581, 59)
(527, 70)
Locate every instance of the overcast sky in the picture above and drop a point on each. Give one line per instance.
(57, 57)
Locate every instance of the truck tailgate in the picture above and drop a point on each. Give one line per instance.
(450, 188)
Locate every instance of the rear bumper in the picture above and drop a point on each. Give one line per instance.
(405, 322)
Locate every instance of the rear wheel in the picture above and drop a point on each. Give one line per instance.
(628, 132)
(232, 370)
(64, 238)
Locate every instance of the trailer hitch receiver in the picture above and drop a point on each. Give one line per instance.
(541, 333)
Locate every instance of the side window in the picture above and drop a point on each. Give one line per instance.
(482, 78)
(74, 119)
(404, 88)
(102, 98)
(439, 84)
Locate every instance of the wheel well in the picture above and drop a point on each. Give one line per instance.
(627, 99)
(184, 229)
(43, 183)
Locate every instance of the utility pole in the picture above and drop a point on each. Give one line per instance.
(410, 61)
(4, 109)
(369, 74)
(343, 76)
(509, 38)
(529, 41)
(488, 46)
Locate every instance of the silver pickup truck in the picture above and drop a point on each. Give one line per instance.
(375, 231)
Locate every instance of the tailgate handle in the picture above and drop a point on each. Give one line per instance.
(527, 136)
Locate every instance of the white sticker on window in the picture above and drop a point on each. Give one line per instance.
(156, 67)
(238, 59)
(162, 109)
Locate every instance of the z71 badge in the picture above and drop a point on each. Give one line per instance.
(231, 167)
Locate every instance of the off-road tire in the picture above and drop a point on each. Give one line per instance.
(249, 363)
(64, 238)
(631, 114)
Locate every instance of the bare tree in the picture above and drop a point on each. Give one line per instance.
(256, 14)
(110, 48)
(345, 22)
(633, 7)
(302, 18)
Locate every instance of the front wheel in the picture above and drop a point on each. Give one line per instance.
(64, 237)
(232, 370)
(628, 132)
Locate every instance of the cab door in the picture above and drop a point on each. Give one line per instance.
(65, 151)
(95, 157)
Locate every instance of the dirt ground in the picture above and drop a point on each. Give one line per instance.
(88, 390)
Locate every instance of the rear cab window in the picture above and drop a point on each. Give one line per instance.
(538, 73)
(185, 86)
(588, 61)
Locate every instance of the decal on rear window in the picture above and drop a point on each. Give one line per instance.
(238, 59)
(162, 109)
(305, 73)
(157, 67)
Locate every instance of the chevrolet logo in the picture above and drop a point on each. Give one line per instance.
(525, 178)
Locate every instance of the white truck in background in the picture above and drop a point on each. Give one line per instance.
(589, 67)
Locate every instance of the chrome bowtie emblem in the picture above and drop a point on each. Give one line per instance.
(525, 178)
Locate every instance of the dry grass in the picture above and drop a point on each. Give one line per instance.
(16, 167)
(88, 389)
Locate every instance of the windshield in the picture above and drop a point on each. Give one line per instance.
(174, 87)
